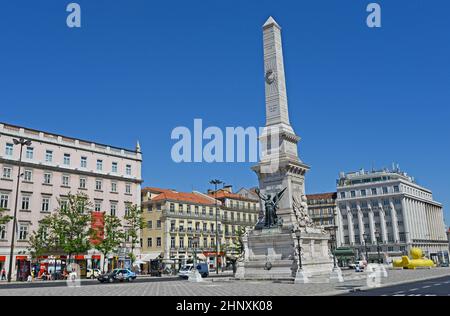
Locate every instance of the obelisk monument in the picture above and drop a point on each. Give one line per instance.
(280, 166)
(284, 246)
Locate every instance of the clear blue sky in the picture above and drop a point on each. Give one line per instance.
(136, 69)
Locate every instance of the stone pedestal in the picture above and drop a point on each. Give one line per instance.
(336, 275)
(271, 254)
(195, 276)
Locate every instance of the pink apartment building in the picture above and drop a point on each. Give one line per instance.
(53, 166)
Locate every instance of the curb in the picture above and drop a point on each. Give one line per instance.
(366, 288)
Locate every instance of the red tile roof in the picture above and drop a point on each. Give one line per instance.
(222, 194)
(182, 197)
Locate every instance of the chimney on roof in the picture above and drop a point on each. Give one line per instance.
(210, 191)
(228, 188)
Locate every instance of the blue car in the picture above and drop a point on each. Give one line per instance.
(117, 275)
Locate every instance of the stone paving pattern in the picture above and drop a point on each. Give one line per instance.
(224, 287)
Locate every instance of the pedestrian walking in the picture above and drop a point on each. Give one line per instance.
(3, 274)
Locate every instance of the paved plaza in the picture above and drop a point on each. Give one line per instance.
(222, 286)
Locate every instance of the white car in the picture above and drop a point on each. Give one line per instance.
(185, 270)
(92, 273)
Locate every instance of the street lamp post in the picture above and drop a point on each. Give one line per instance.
(333, 244)
(195, 240)
(377, 237)
(22, 142)
(216, 182)
(365, 236)
(298, 235)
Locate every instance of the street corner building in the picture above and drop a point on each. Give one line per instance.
(385, 213)
(179, 223)
(53, 166)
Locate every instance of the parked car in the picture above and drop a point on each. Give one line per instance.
(117, 275)
(187, 269)
(92, 273)
(361, 264)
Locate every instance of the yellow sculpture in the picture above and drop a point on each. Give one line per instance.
(418, 261)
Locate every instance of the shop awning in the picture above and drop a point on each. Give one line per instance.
(146, 257)
(21, 257)
(2, 258)
(344, 252)
(96, 257)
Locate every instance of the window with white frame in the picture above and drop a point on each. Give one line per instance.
(128, 188)
(48, 156)
(2, 232)
(47, 178)
(28, 175)
(4, 199)
(45, 204)
(66, 159)
(83, 163)
(65, 180)
(9, 149)
(7, 173)
(23, 232)
(64, 204)
(99, 165)
(127, 209)
(29, 154)
(128, 170)
(98, 185)
(113, 186)
(82, 183)
(113, 209)
(25, 203)
(98, 206)
(114, 167)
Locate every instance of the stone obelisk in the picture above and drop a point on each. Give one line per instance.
(280, 166)
(293, 249)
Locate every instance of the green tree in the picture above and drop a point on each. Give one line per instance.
(4, 218)
(236, 249)
(113, 236)
(134, 223)
(71, 224)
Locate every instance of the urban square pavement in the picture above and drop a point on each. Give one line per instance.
(398, 282)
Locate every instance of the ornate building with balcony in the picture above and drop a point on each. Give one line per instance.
(239, 210)
(173, 219)
(387, 212)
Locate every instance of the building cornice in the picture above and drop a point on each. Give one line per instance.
(69, 171)
(72, 146)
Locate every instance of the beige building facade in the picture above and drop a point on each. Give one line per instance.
(175, 220)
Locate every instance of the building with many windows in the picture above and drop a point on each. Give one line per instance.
(321, 208)
(238, 210)
(54, 166)
(386, 211)
(175, 219)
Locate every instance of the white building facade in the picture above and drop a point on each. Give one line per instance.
(54, 166)
(385, 213)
